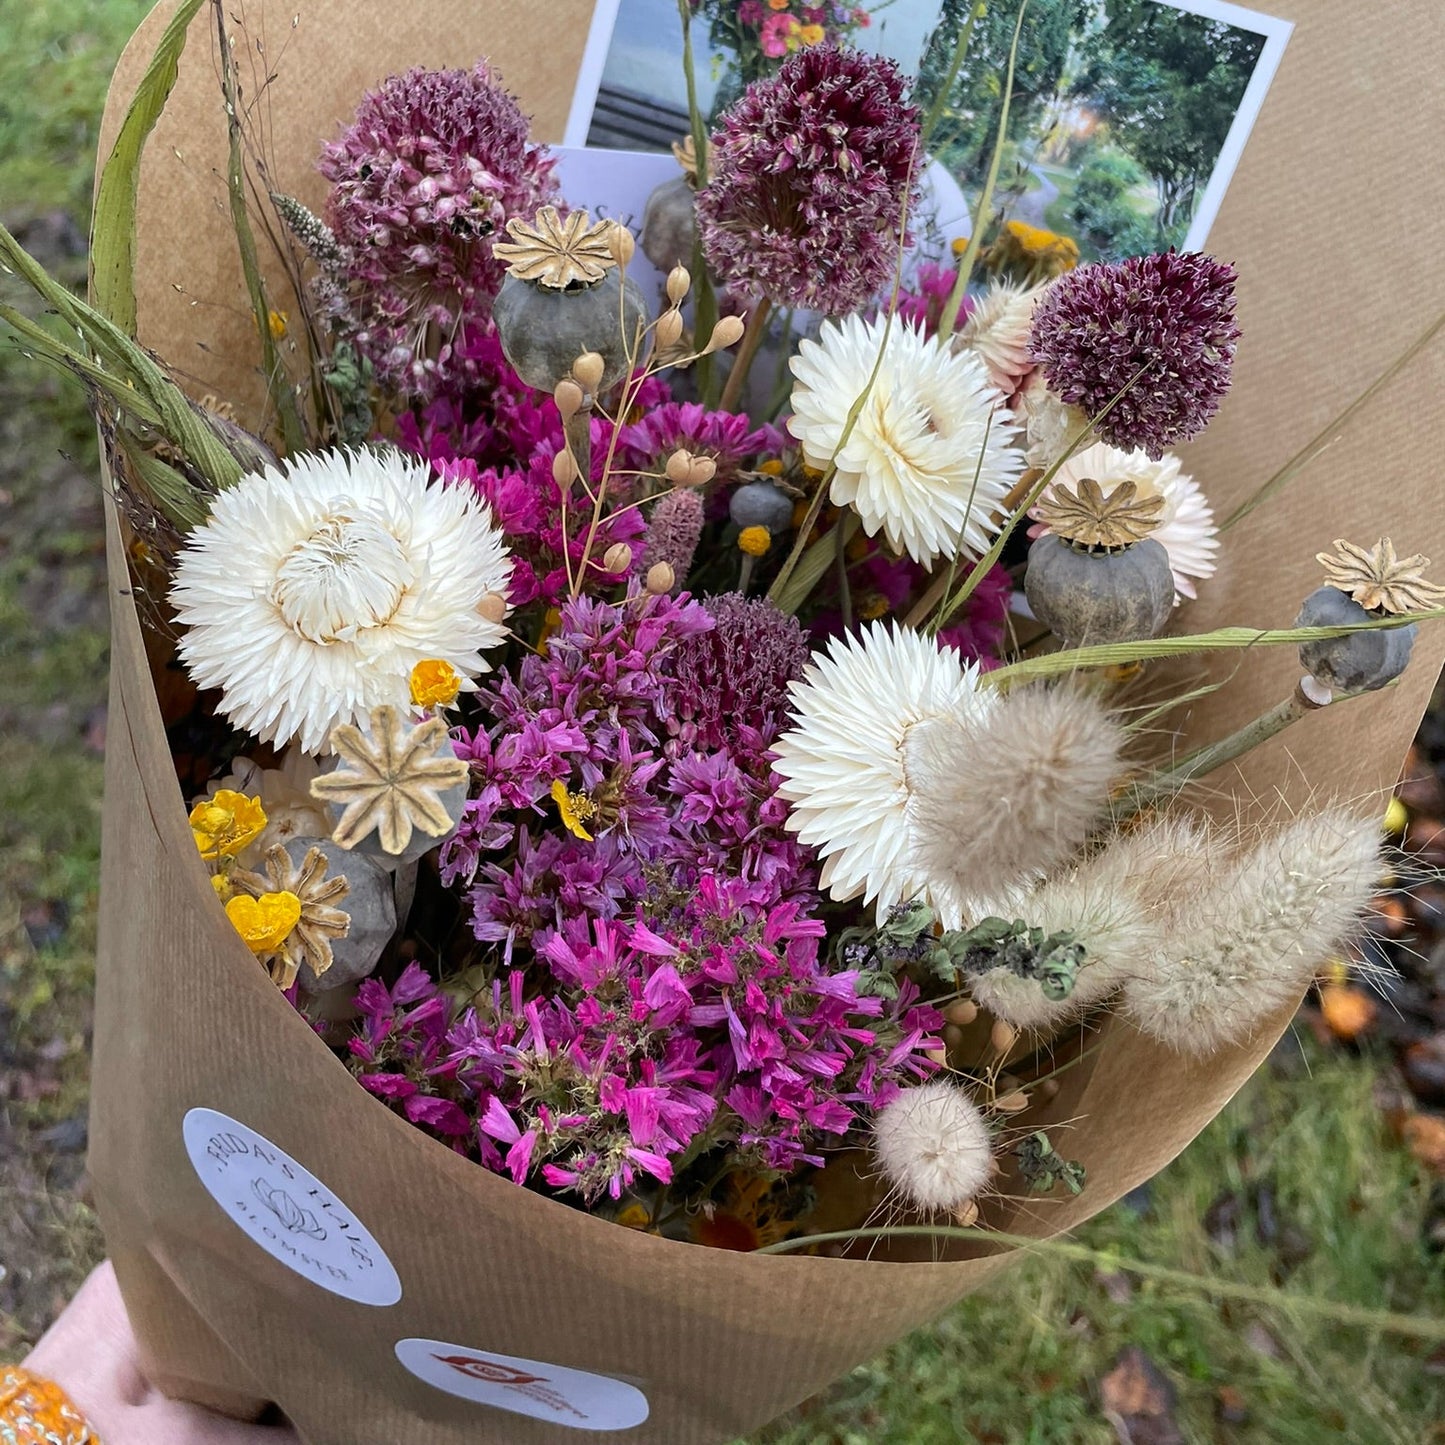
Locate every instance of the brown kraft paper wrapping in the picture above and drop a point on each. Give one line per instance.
(1332, 288)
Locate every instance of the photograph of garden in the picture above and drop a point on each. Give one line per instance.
(1121, 109)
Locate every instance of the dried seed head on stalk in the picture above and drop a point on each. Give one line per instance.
(1089, 517)
(320, 920)
(391, 780)
(1379, 580)
(685, 153)
(559, 254)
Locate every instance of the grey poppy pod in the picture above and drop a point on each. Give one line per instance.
(761, 504)
(1360, 661)
(544, 330)
(370, 905)
(669, 225)
(1084, 596)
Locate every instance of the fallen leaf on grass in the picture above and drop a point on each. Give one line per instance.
(1424, 1137)
(1348, 1011)
(1138, 1401)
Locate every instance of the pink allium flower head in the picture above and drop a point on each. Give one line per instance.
(433, 165)
(1097, 326)
(808, 173)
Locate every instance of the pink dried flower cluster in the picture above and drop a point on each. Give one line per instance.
(431, 168)
(808, 176)
(661, 986)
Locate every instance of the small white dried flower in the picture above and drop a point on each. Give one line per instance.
(997, 330)
(1255, 932)
(1008, 792)
(933, 1146)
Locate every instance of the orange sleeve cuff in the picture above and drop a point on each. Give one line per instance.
(36, 1412)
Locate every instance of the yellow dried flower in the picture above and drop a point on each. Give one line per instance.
(755, 541)
(318, 920)
(225, 823)
(276, 323)
(1379, 580)
(557, 253)
(1091, 519)
(434, 683)
(575, 808)
(265, 921)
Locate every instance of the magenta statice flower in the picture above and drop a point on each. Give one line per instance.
(1170, 316)
(921, 303)
(433, 165)
(808, 176)
(728, 438)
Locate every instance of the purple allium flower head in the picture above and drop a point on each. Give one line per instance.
(1097, 326)
(434, 164)
(736, 676)
(807, 178)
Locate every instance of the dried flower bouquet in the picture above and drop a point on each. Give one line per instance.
(726, 817)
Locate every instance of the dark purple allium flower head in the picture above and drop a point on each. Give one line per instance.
(1097, 326)
(736, 676)
(807, 176)
(434, 164)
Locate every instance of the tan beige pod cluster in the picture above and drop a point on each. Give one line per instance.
(279, 1236)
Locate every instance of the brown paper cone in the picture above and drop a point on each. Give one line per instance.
(1333, 286)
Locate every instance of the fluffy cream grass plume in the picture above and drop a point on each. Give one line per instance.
(933, 1147)
(842, 761)
(310, 593)
(1256, 931)
(1119, 902)
(930, 457)
(1004, 794)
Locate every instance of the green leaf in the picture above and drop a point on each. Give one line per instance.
(112, 241)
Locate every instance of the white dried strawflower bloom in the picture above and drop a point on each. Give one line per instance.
(997, 330)
(1006, 793)
(1255, 932)
(1117, 903)
(843, 759)
(311, 593)
(930, 457)
(933, 1146)
(1186, 530)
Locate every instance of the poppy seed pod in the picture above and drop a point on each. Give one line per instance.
(1099, 596)
(1359, 661)
(761, 504)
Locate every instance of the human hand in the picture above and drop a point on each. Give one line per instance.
(90, 1352)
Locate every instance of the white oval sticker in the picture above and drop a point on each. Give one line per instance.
(573, 1398)
(287, 1210)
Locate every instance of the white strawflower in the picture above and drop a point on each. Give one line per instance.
(311, 593)
(933, 1146)
(997, 330)
(843, 760)
(1186, 530)
(930, 458)
(1254, 933)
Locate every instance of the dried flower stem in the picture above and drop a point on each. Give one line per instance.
(743, 360)
(939, 106)
(1418, 1326)
(984, 213)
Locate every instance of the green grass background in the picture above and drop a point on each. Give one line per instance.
(1020, 1363)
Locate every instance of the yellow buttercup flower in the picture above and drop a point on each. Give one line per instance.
(755, 541)
(223, 824)
(277, 322)
(575, 809)
(811, 34)
(265, 922)
(434, 683)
